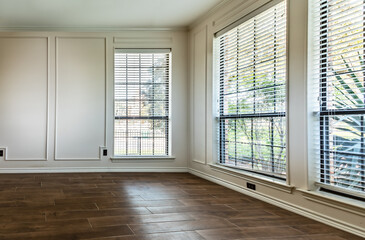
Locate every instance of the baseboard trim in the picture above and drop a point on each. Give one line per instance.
(92, 169)
(282, 204)
(254, 178)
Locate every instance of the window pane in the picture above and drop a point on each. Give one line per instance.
(343, 154)
(254, 143)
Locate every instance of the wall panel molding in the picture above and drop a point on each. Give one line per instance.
(199, 94)
(7, 150)
(57, 102)
(142, 40)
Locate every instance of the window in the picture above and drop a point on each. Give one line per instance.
(141, 102)
(339, 80)
(251, 65)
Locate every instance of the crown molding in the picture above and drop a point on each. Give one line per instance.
(88, 29)
(209, 13)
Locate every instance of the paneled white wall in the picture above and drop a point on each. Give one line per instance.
(80, 98)
(24, 97)
(295, 194)
(56, 100)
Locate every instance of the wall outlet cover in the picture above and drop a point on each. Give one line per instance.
(251, 186)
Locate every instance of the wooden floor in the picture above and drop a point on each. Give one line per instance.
(142, 206)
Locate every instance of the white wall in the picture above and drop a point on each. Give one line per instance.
(56, 100)
(294, 194)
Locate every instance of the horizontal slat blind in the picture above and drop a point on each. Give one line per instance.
(141, 98)
(338, 77)
(252, 77)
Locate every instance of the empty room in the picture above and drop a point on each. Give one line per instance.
(182, 119)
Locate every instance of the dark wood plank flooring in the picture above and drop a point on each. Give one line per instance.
(159, 206)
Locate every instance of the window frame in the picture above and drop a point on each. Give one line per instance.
(167, 118)
(220, 117)
(322, 178)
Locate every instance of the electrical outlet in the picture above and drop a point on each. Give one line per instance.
(251, 186)
(1, 153)
(105, 152)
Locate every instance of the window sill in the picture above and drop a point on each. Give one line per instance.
(254, 178)
(118, 159)
(332, 200)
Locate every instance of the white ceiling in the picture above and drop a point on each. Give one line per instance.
(102, 13)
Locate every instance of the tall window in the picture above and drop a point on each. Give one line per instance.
(339, 80)
(252, 79)
(141, 98)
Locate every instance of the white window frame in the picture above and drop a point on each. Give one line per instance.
(216, 85)
(168, 155)
(318, 109)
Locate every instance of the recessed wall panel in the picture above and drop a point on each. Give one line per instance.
(23, 97)
(199, 96)
(80, 98)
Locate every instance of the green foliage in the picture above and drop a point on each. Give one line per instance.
(348, 129)
(250, 140)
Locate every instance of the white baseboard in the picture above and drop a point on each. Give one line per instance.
(92, 169)
(282, 204)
